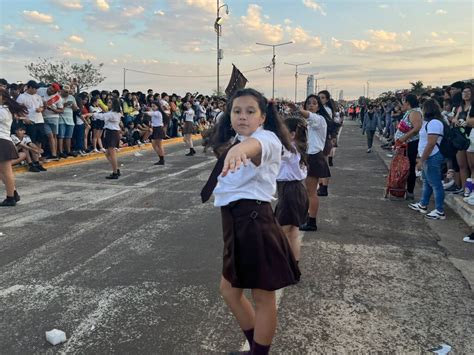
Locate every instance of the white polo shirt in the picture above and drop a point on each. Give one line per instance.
(156, 118)
(32, 103)
(6, 120)
(111, 119)
(290, 168)
(252, 182)
(317, 130)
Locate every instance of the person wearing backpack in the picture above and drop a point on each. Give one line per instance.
(430, 161)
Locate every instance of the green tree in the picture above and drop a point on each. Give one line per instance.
(49, 70)
(417, 87)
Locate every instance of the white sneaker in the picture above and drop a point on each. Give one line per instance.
(470, 199)
(102, 150)
(435, 214)
(369, 150)
(418, 207)
(469, 238)
(95, 150)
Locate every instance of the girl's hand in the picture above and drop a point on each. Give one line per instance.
(419, 165)
(234, 160)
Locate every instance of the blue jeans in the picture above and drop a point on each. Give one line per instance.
(79, 131)
(433, 182)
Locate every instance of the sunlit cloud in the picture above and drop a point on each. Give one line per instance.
(207, 5)
(76, 39)
(102, 5)
(38, 16)
(69, 5)
(383, 6)
(132, 12)
(314, 5)
(159, 12)
(441, 12)
(382, 35)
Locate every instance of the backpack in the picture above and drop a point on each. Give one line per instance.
(453, 140)
(398, 174)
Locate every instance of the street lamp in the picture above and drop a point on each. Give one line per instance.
(273, 60)
(296, 75)
(218, 29)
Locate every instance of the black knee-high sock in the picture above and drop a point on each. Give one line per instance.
(249, 335)
(162, 158)
(258, 349)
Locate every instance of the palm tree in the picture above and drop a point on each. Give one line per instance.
(417, 87)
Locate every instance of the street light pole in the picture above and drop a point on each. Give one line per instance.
(296, 75)
(273, 60)
(217, 28)
(368, 95)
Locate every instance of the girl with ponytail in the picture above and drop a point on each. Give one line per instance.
(257, 255)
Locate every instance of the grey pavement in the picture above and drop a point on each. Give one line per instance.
(132, 266)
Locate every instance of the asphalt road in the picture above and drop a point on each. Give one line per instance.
(133, 265)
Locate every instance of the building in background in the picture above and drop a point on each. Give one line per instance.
(310, 85)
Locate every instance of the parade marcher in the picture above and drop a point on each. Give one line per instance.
(112, 133)
(408, 133)
(293, 204)
(430, 161)
(315, 114)
(257, 255)
(331, 133)
(189, 128)
(158, 134)
(8, 151)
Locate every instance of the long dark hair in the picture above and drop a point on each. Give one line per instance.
(431, 110)
(273, 122)
(163, 114)
(330, 102)
(321, 111)
(15, 108)
(297, 125)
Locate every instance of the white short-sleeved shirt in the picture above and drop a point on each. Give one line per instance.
(111, 119)
(25, 140)
(32, 103)
(189, 115)
(290, 168)
(165, 106)
(43, 93)
(430, 127)
(252, 182)
(156, 118)
(317, 130)
(67, 117)
(6, 120)
(329, 111)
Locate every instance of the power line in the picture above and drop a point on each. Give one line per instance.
(187, 76)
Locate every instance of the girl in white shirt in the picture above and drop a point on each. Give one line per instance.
(157, 122)
(189, 128)
(292, 206)
(8, 151)
(111, 141)
(257, 255)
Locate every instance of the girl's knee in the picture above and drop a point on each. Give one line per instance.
(263, 298)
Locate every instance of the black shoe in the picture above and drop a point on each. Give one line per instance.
(161, 162)
(53, 157)
(330, 161)
(34, 169)
(62, 155)
(323, 191)
(308, 227)
(72, 154)
(239, 352)
(190, 154)
(16, 196)
(40, 167)
(118, 172)
(113, 176)
(8, 202)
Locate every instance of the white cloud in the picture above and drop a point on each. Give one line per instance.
(253, 22)
(38, 16)
(314, 5)
(8, 27)
(336, 43)
(111, 44)
(132, 12)
(381, 35)
(72, 52)
(77, 39)
(207, 5)
(441, 12)
(434, 34)
(54, 27)
(287, 21)
(159, 12)
(383, 6)
(299, 35)
(360, 44)
(69, 5)
(102, 5)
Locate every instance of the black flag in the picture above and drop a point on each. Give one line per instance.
(237, 81)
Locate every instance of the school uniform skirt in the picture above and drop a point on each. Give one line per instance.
(318, 166)
(158, 133)
(7, 150)
(293, 203)
(97, 124)
(111, 138)
(256, 251)
(188, 127)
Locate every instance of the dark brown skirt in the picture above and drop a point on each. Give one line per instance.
(188, 127)
(7, 150)
(318, 166)
(292, 206)
(256, 251)
(158, 133)
(111, 138)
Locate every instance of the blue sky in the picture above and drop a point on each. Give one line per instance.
(389, 43)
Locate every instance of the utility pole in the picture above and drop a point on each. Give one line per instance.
(273, 60)
(296, 76)
(124, 71)
(368, 93)
(218, 29)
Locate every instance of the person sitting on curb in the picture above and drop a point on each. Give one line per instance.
(27, 150)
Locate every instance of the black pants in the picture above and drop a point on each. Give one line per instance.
(412, 152)
(370, 138)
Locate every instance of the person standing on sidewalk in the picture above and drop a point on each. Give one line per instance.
(370, 126)
(8, 151)
(430, 161)
(408, 133)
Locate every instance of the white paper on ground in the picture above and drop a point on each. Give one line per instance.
(55, 336)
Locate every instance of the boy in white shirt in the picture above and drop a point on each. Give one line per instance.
(31, 152)
(34, 122)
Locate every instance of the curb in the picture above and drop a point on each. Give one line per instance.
(455, 202)
(101, 156)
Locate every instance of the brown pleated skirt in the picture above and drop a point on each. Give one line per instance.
(256, 251)
(158, 133)
(7, 150)
(292, 206)
(318, 166)
(188, 127)
(111, 138)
